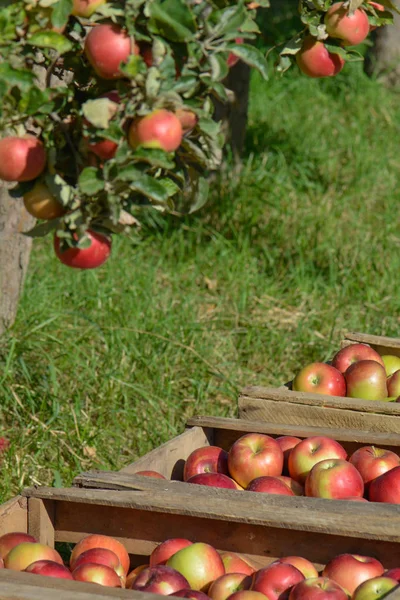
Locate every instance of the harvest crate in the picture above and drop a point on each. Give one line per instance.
(282, 405)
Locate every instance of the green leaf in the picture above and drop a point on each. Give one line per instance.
(35, 101)
(61, 12)
(199, 194)
(22, 78)
(154, 157)
(144, 184)
(90, 181)
(251, 56)
(43, 229)
(219, 67)
(354, 4)
(99, 112)
(63, 192)
(228, 20)
(50, 39)
(172, 19)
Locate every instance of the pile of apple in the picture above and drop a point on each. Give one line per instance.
(356, 371)
(317, 467)
(196, 570)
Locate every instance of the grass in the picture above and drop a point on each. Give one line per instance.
(102, 366)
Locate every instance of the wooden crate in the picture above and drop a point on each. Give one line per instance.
(262, 527)
(282, 405)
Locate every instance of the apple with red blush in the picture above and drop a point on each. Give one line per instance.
(320, 378)
(191, 594)
(386, 487)
(270, 485)
(317, 588)
(287, 442)
(49, 568)
(295, 486)
(132, 575)
(334, 478)
(100, 541)
(214, 480)
(160, 579)
(9, 540)
(354, 353)
(371, 462)
(166, 549)
(350, 570)
(393, 573)
(393, 384)
(100, 574)
(276, 579)
(199, 563)
(154, 474)
(228, 584)
(247, 595)
(366, 379)
(302, 564)
(311, 451)
(207, 459)
(234, 563)
(254, 455)
(25, 553)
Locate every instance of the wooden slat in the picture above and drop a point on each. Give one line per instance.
(264, 527)
(14, 515)
(382, 344)
(304, 514)
(168, 459)
(41, 517)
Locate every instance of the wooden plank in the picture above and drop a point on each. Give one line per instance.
(168, 459)
(302, 413)
(15, 585)
(382, 344)
(41, 517)
(14, 515)
(372, 521)
(264, 527)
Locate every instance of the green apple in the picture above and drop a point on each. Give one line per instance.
(199, 563)
(375, 588)
(392, 363)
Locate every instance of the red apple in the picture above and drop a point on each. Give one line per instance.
(26, 553)
(101, 556)
(95, 540)
(159, 129)
(228, 584)
(354, 353)
(311, 451)
(334, 478)
(393, 573)
(214, 480)
(371, 462)
(390, 361)
(85, 258)
(350, 27)
(386, 487)
(234, 563)
(9, 540)
(191, 594)
(269, 485)
(349, 570)
(132, 575)
(320, 378)
(166, 549)
(85, 8)
(101, 574)
(154, 474)
(316, 61)
(160, 579)
(366, 379)
(107, 46)
(302, 564)
(295, 486)
(49, 568)
(276, 579)
(393, 384)
(247, 595)
(208, 459)
(232, 59)
(317, 588)
(254, 455)
(353, 499)
(21, 158)
(200, 563)
(287, 442)
(375, 588)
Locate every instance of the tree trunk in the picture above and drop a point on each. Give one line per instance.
(233, 114)
(14, 254)
(383, 60)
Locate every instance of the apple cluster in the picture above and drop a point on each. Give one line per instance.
(196, 570)
(317, 467)
(356, 371)
(323, 51)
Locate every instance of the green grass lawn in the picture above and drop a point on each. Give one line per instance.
(102, 366)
